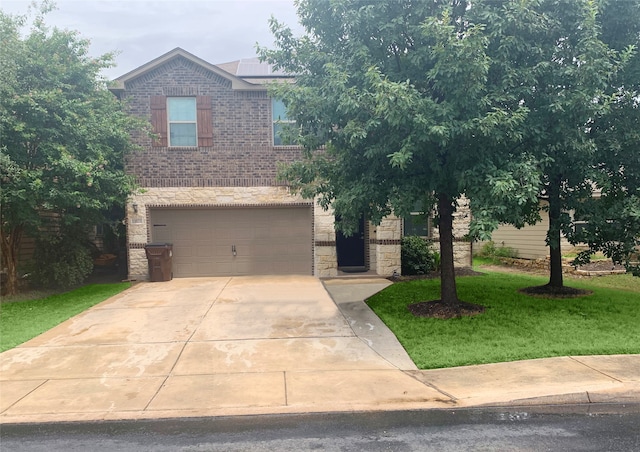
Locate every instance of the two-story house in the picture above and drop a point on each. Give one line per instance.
(209, 179)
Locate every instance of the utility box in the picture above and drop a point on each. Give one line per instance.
(159, 256)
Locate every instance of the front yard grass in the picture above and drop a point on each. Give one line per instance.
(515, 326)
(24, 320)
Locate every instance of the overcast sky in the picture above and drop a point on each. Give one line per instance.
(217, 31)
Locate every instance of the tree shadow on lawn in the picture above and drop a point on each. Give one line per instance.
(548, 291)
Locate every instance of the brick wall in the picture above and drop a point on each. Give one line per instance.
(242, 154)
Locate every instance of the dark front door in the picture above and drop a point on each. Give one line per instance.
(351, 250)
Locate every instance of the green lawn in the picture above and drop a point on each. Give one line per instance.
(23, 320)
(515, 326)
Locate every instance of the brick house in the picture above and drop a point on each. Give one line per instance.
(209, 180)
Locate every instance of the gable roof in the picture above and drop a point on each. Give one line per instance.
(244, 75)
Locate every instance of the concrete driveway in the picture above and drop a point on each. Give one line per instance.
(265, 345)
(209, 346)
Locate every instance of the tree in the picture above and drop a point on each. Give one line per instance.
(614, 217)
(402, 100)
(613, 226)
(63, 136)
(579, 95)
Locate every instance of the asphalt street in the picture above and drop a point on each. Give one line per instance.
(531, 429)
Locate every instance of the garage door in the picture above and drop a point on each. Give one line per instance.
(236, 241)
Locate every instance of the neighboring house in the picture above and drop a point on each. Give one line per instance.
(528, 242)
(209, 179)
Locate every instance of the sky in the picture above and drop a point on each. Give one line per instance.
(218, 31)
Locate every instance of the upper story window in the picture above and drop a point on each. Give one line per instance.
(182, 121)
(183, 130)
(281, 123)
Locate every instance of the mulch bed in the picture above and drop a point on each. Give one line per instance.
(438, 310)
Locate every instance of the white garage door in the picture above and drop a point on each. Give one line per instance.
(236, 241)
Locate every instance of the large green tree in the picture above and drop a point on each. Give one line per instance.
(613, 225)
(63, 136)
(405, 100)
(579, 82)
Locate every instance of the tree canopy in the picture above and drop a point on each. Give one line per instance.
(504, 102)
(398, 101)
(63, 135)
(581, 89)
(613, 215)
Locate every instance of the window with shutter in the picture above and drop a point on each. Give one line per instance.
(182, 121)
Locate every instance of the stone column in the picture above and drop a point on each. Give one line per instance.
(388, 235)
(325, 256)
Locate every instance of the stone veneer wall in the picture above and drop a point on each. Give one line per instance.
(382, 253)
(325, 256)
(385, 246)
(462, 248)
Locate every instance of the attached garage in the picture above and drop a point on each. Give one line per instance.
(236, 241)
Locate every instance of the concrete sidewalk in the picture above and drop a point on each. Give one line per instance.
(576, 380)
(264, 345)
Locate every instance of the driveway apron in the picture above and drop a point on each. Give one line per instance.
(203, 347)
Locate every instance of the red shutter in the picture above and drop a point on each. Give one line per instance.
(159, 119)
(205, 121)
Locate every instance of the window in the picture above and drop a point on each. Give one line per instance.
(417, 222)
(281, 124)
(183, 130)
(186, 117)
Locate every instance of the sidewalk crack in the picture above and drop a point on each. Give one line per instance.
(286, 392)
(596, 370)
(26, 395)
(453, 398)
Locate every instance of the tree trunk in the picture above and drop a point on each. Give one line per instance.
(555, 253)
(448, 291)
(10, 246)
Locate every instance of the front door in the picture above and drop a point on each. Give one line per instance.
(350, 250)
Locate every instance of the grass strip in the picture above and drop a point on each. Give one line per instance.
(515, 326)
(24, 320)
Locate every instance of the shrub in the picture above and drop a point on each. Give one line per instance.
(61, 262)
(417, 256)
(490, 250)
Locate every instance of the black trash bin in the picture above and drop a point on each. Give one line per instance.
(159, 256)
